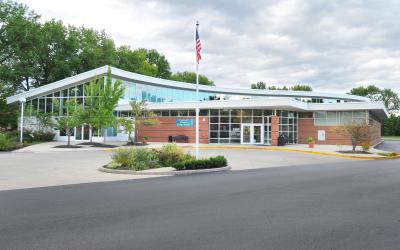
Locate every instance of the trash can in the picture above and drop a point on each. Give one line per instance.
(170, 138)
(282, 140)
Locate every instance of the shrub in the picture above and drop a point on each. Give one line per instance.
(135, 159)
(310, 140)
(212, 162)
(43, 136)
(7, 142)
(122, 157)
(169, 154)
(144, 159)
(365, 146)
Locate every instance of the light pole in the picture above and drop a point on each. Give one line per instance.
(22, 100)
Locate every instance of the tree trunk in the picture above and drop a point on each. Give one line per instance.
(91, 133)
(104, 136)
(69, 136)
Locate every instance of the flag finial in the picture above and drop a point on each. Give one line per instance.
(197, 23)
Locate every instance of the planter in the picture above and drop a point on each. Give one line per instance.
(163, 171)
(311, 145)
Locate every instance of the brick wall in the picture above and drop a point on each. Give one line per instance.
(274, 130)
(307, 128)
(167, 127)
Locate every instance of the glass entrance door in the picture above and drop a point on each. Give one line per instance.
(246, 133)
(252, 134)
(257, 134)
(82, 133)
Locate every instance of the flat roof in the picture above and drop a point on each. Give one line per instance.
(286, 103)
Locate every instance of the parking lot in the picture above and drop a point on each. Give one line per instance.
(39, 169)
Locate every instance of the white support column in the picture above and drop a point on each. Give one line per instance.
(22, 101)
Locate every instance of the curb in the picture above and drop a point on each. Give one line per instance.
(299, 151)
(181, 172)
(291, 150)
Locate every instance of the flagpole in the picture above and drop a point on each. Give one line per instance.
(197, 101)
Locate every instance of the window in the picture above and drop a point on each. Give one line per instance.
(326, 118)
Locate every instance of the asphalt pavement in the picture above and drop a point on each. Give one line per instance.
(344, 205)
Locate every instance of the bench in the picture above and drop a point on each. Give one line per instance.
(181, 138)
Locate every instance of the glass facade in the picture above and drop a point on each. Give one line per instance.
(225, 125)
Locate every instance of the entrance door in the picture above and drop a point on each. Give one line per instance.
(252, 134)
(82, 133)
(246, 133)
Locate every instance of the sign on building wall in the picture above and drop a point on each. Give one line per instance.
(321, 135)
(184, 122)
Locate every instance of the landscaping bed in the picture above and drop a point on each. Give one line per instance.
(354, 152)
(9, 140)
(170, 155)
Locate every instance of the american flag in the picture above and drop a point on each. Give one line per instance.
(198, 45)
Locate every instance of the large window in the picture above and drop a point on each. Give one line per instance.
(334, 118)
(288, 125)
(225, 124)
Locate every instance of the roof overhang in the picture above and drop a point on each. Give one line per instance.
(129, 76)
(377, 108)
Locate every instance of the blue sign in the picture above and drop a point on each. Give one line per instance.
(184, 122)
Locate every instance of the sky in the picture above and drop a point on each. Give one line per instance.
(330, 45)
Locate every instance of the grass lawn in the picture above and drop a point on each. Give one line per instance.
(391, 138)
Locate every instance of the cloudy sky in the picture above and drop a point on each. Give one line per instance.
(331, 45)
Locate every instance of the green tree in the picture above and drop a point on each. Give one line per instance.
(18, 41)
(190, 77)
(371, 91)
(141, 116)
(95, 49)
(387, 96)
(70, 119)
(128, 125)
(258, 85)
(91, 106)
(108, 100)
(300, 87)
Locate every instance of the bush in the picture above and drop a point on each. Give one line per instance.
(365, 146)
(7, 143)
(212, 162)
(43, 136)
(135, 159)
(169, 154)
(122, 157)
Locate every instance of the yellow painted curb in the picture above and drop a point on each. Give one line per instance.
(295, 151)
(289, 150)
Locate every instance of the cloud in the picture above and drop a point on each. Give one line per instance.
(331, 45)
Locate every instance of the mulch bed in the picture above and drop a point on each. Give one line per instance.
(354, 152)
(97, 145)
(66, 146)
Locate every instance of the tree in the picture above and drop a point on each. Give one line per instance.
(391, 126)
(18, 40)
(190, 77)
(141, 116)
(258, 85)
(128, 125)
(91, 106)
(108, 100)
(300, 87)
(70, 119)
(387, 96)
(358, 132)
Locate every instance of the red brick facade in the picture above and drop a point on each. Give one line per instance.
(306, 128)
(274, 130)
(167, 127)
